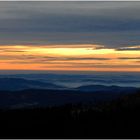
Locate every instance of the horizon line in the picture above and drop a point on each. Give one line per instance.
(59, 71)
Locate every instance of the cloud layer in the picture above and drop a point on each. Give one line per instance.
(112, 24)
(70, 35)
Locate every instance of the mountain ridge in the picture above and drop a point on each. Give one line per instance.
(21, 83)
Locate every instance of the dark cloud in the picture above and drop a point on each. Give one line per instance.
(112, 24)
(126, 58)
(47, 59)
(82, 58)
(79, 65)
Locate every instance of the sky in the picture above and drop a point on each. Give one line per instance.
(70, 36)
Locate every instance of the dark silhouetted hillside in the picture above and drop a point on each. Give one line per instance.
(102, 88)
(119, 118)
(45, 97)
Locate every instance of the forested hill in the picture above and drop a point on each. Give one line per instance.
(118, 118)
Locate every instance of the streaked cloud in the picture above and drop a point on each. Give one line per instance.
(112, 24)
(68, 57)
(131, 48)
(70, 35)
(126, 58)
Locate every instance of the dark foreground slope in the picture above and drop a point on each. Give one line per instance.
(52, 97)
(113, 119)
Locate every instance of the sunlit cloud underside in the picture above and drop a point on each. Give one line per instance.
(75, 57)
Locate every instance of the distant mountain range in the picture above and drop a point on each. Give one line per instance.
(102, 88)
(14, 84)
(76, 80)
(18, 92)
(20, 84)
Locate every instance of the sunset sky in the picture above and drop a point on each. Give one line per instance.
(70, 36)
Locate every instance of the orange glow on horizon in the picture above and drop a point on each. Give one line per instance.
(76, 57)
